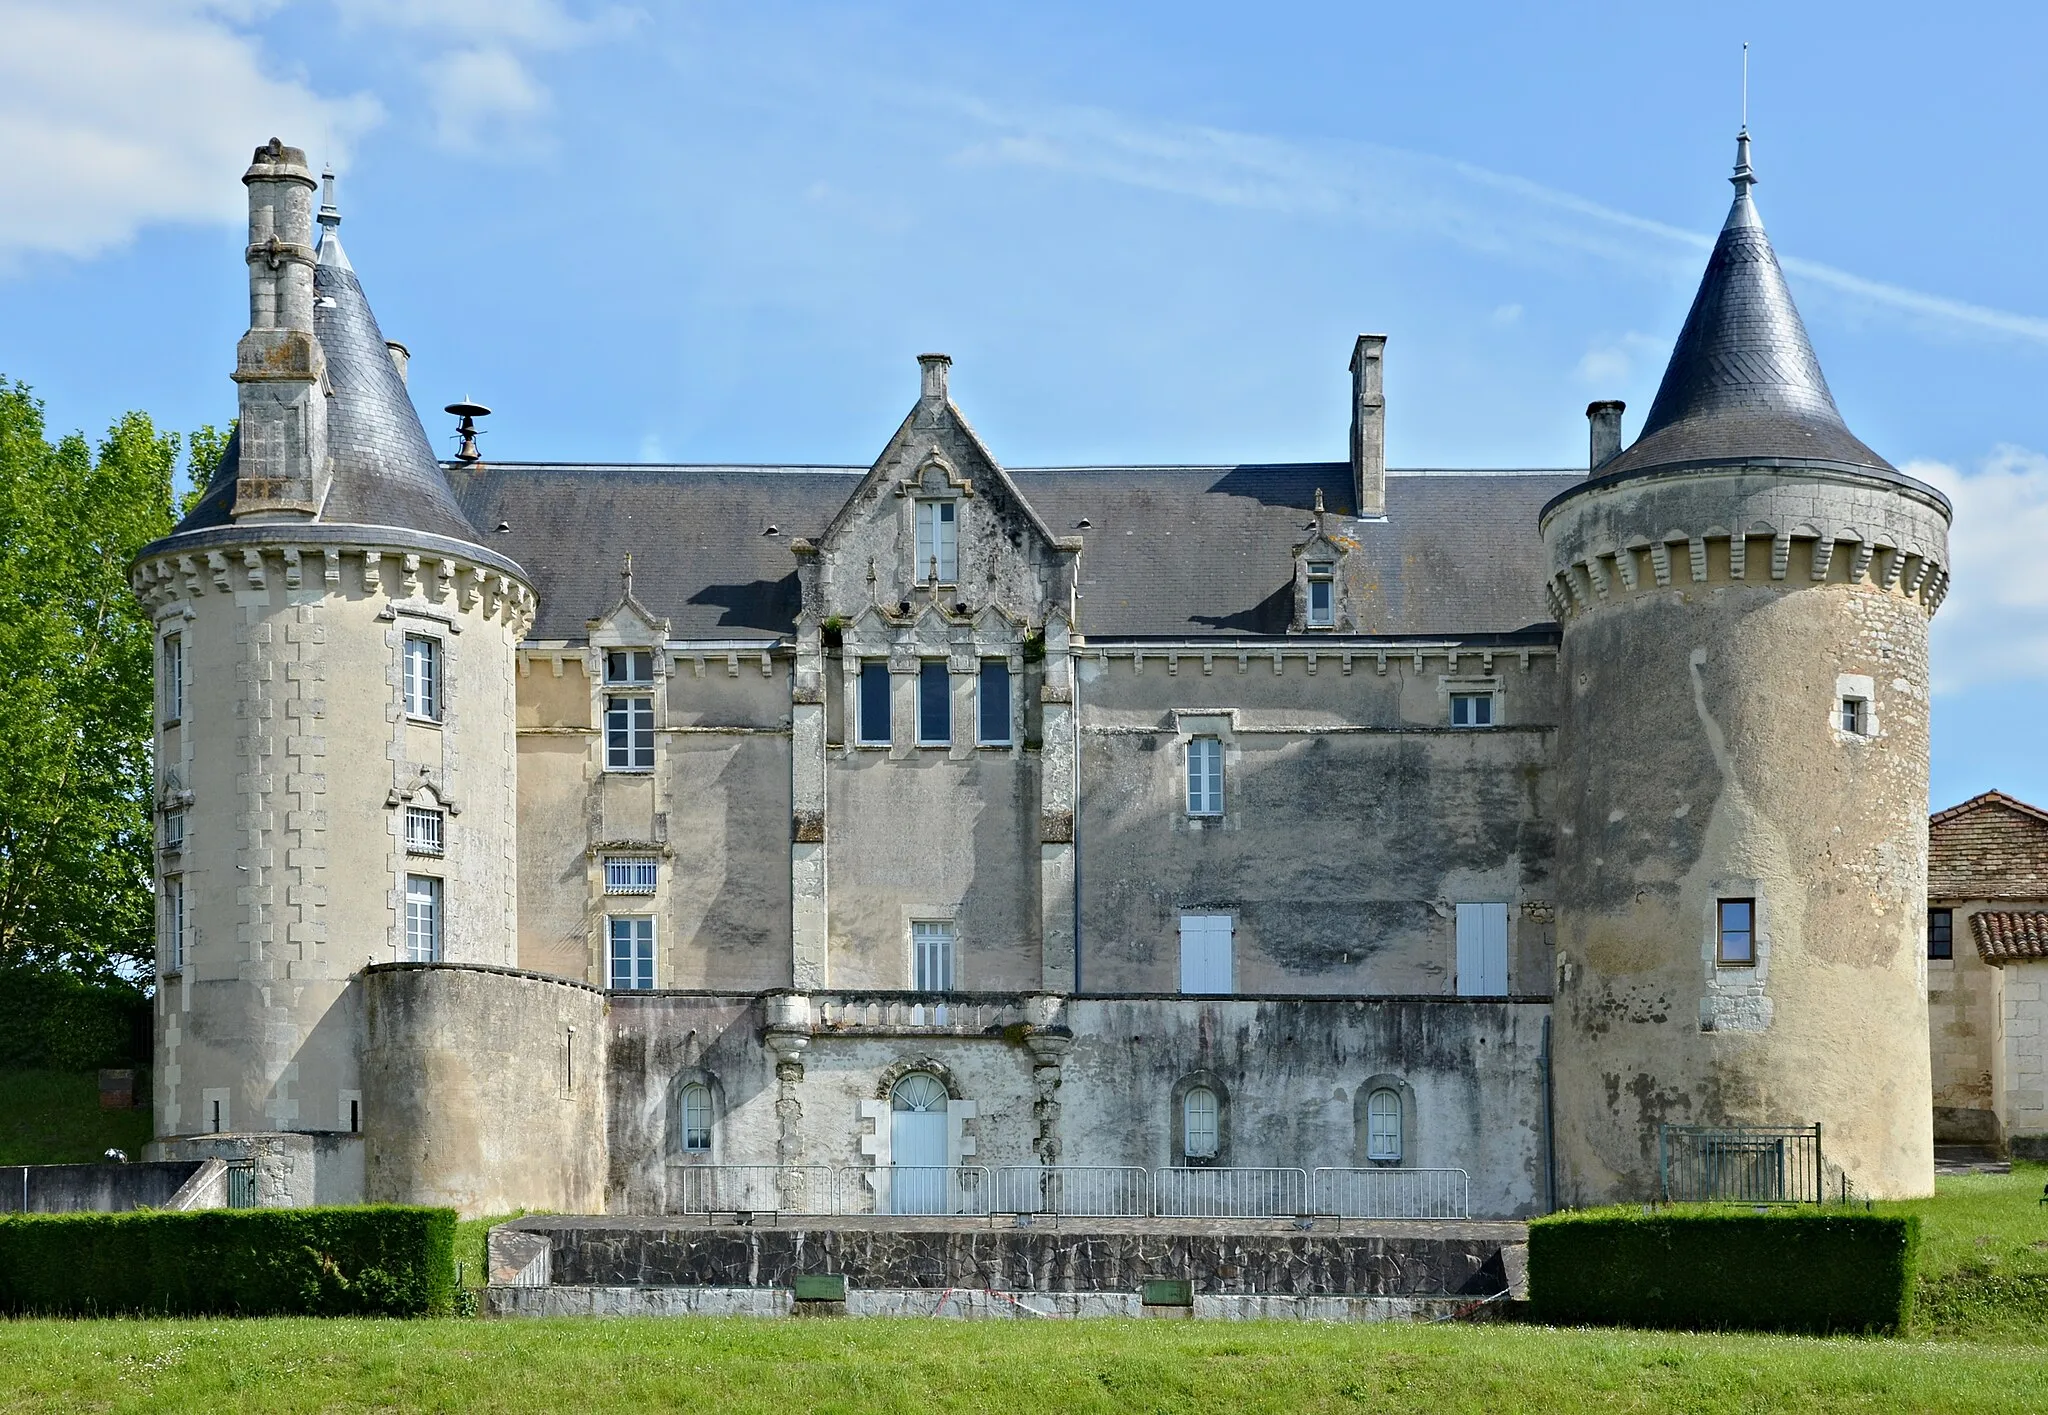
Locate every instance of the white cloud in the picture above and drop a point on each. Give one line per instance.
(486, 98)
(1389, 188)
(1612, 362)
(1993, 627)
(117, 113)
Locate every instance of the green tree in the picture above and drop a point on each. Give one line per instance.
(76, 659)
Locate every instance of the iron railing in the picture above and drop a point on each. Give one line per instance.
(1391, 1193)
(756, 1188)
(1750, 1164)
(939, 1190)
(242, 1185)
(1075, 1190)
(1229, 1193)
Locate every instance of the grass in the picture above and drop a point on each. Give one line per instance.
(1983, 1256)
(740, 1366)
(54, 1117)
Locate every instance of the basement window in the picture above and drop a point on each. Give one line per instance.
(1735, 930)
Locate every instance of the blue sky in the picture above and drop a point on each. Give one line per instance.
(701, 232)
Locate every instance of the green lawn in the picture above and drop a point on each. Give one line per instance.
(54, 1117)
(1054, 1367)
(1984, 1256)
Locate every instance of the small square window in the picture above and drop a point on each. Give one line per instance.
(934, 704)
(931, 957)
(1322, 594)
(422, 677)
(630, 874)
(630, 667)
(994, 697)
(874, 704)
(173, 835)
(1856, 716)
(1471, 709)
(1205, 776)
(1735, 927)
(1941, 933)
(423, 830)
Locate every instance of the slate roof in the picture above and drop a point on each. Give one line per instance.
(385, 473)
(2004, 938)
(1171, 552)
(1743, 383)
(1992, 846)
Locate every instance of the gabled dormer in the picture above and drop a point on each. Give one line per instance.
(1323, 565)
(937, 522)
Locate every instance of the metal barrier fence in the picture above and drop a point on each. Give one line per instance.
(1229, 1193)
(1392, 1193)
(1751, 1164)
(959, 1191)
(242, 1185)
(757, 1188)
(1075, 1190)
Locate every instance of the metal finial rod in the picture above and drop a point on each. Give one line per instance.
(1745, 85)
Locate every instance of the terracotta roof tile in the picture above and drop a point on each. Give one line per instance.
(2004, 938)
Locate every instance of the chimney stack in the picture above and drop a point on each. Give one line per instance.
(1368, 426)
(932, 367)
(1604, 424)
(278, 364)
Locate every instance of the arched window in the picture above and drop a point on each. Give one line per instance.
(696, 1119)
(1383, 1125)
(919, 1091)
(1198, 1114)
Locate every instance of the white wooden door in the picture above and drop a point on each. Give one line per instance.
(1205, 954)
(1482, 950)
(917, 1147)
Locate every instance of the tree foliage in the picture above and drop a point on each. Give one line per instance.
(76, 659)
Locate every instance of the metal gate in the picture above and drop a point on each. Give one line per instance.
(1749, 1164)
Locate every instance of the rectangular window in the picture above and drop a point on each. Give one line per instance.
(994, 697)
(1941, 933)
(632, 954)
(938, 547)
(174, 832)
(174, 678)
(1856, 716)
(422, 919)
(934, 704)
(628, 733)
(1322, 594)
(1205, 776)
(174, 924)
(874, 704)
(1205, 954)
(629, 874)
(1735, 927)
(1483, 950)
(1471, 709)
(422, 677)
(632, 668)
(422, 830)
(931, 957)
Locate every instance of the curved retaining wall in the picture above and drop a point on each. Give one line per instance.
(483, 1089)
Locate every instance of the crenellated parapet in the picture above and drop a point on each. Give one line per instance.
(1745, 526)
(411, 569)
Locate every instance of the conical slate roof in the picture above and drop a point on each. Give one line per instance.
(1743, 383)
(384, 468)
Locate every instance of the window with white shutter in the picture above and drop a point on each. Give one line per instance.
(1482, 950)
(1205, 954)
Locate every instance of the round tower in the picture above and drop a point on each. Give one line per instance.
(1742, 852)
(336, 747)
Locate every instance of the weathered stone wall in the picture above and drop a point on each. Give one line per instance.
(484, 1089)
(1963, 1012)
(1702, 758)
(293, 763)
(1355, 817)
(2020, 1074)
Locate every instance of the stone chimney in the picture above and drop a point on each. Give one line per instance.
(1603, 420)
(1368, 426)
(932, 384)
(278, 365)
(401, 358)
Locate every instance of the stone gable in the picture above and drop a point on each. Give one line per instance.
(1989, 847)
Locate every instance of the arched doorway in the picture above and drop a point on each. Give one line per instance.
(917, 1145)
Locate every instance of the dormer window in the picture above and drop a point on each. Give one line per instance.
(1322, 594)
(938, 544)
(629, 667)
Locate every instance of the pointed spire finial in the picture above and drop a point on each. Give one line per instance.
(331, 252)
(626, 574)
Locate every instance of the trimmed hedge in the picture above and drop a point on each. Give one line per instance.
(1712, 1268)
(391, 1262)
(53, 1021)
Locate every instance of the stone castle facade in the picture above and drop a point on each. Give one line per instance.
(573, 836)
